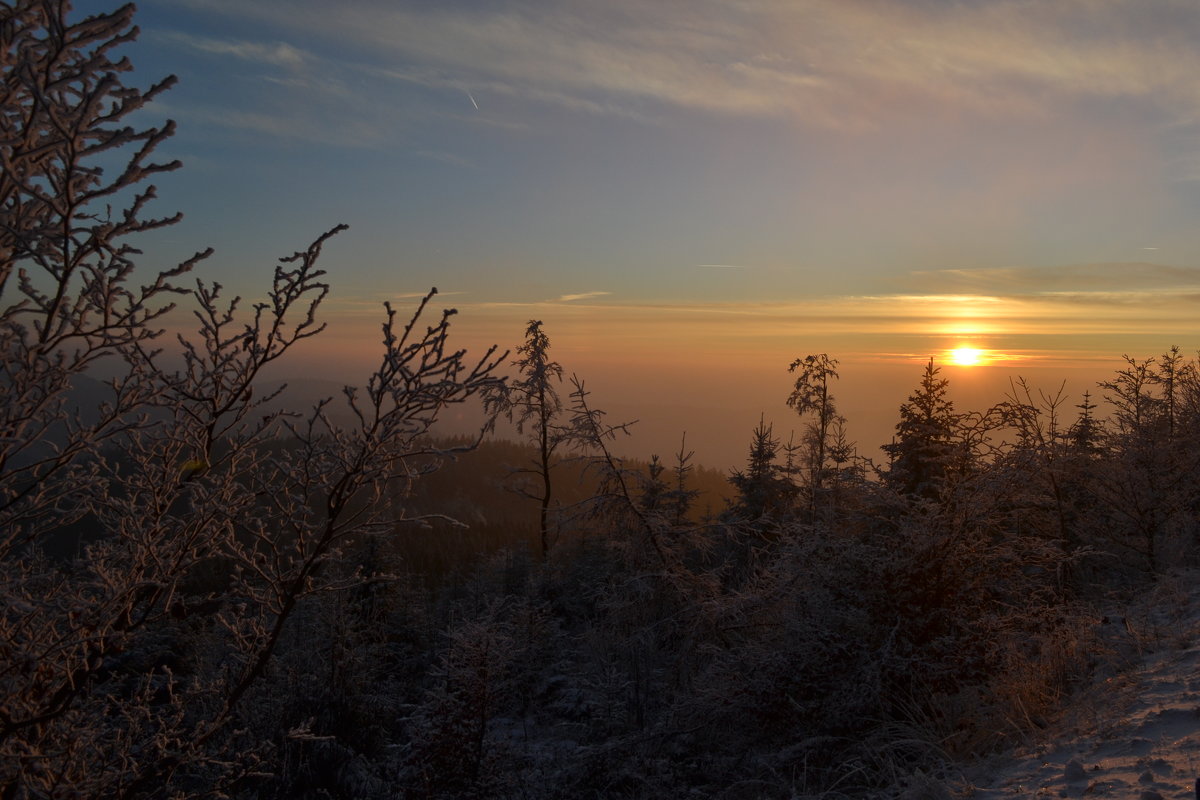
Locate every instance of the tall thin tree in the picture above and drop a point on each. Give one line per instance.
(532, 403)
(811, 395)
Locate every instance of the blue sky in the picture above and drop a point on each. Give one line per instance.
(694, 183)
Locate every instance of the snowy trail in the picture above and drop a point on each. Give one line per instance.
(1134, 735)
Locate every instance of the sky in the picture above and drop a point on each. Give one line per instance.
(693, 194)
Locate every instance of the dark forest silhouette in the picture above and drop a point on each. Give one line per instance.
(204, 594)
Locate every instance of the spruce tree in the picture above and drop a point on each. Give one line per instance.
(925, 444)
(763, 488)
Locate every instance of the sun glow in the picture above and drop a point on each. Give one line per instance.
(966, 356)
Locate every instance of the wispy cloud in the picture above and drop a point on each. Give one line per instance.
(908, 312)
(823, 62)
(373, 304)
(568, 298)
(1082, 279)
(723, 266)
(294, 94)
(359, 132)
(279, 54)
(1036, 326)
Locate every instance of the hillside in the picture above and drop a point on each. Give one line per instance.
(1134, 732)
(481, 491)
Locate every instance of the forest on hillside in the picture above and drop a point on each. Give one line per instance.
(203, 594)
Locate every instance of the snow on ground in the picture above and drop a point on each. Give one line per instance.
(1135, 733)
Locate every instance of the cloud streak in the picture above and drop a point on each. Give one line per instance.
(822, 62)
(1032, 328)
(1080, 279)
(570, 298)
(279, 54)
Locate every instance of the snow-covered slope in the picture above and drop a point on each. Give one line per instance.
(1132, 734)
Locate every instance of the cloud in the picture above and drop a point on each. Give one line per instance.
(280, 125)
(1082, 279)
(372, 305)
(1166, 315)
(567, 298)
(294, 96)
(279, 54)
(831, 63)
(723, 266)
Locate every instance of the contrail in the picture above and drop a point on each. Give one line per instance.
(468, 91)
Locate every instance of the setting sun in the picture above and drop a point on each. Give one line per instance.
(966, 356)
